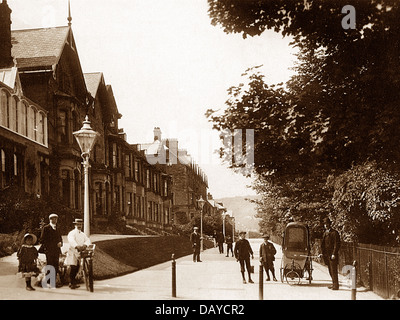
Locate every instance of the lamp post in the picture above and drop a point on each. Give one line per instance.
(86, 138)
(223, 223)
(201, 202)
(233, 228)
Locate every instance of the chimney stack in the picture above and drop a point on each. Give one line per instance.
(6, 59)
(157, 134)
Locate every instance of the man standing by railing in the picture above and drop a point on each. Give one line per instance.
(330, 251)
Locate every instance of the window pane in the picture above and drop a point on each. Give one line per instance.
(31, 123)
(15, 165)
(40, 128)
(12, 114)
(3, 109)
(3, 161)
(63, 127)
(23, 118)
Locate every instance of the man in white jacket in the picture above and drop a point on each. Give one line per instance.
(78, 241)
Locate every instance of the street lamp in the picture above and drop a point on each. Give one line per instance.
(224, 223)
(201, 202)
(233, 228)
(86, 138)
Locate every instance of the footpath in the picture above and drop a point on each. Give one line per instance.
(216, 278)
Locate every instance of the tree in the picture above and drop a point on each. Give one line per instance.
(266, 110)
(366, 201)
(288, 176)
(354, 81)
(20, 211)
(337, 112)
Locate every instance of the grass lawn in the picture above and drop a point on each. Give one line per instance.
(122, 256)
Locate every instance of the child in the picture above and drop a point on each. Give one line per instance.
(27, 256)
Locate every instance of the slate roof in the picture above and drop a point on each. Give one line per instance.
(93, 81)
(38, 47)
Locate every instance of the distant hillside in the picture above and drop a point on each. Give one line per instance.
(243, 211)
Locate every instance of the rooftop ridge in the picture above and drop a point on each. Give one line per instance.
(35, 29)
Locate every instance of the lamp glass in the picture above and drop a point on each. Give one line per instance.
(201, 202)
(86, 137)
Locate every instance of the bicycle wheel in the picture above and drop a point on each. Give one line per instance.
(88, 274)
(85, 272)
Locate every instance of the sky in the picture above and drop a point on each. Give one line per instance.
(167, 65)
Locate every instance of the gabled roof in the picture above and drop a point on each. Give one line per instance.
(9, 77)
(93, 81)
(38, 47)
(112, 101)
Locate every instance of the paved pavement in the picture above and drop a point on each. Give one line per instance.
(216, 278)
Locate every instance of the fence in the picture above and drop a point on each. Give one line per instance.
(378, 267)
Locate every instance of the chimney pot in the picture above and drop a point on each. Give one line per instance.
(6, 59)
(157, 134)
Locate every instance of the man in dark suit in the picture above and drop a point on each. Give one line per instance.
(267, 257)
(229, 245)
(330, 251)
(220, 241)
(51, 241)
(195, 239)
(243, 252)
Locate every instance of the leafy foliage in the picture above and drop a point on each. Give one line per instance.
(326, 141)
(347, 85)
(26, 213)
(211, 222)
(366, 201)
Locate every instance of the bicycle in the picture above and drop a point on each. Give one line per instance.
(86, 257)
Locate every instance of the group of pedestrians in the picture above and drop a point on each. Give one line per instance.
(330, 246)
(220, 239)
(51, 243)
(242, 252)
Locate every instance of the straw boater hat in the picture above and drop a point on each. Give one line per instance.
(53, 215)
(196, 228)
(30, 235)
(77, 221)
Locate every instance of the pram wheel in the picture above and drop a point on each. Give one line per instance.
(292, 278)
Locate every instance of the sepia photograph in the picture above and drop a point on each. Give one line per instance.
(199, 154)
